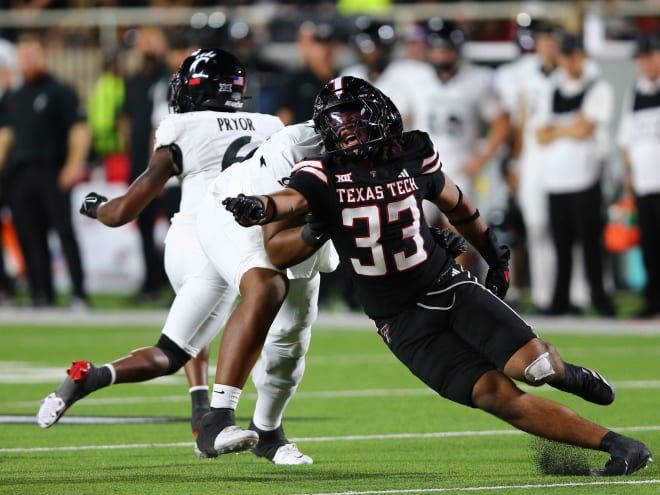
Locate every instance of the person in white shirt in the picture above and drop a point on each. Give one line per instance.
(451, 101)
(572, 128)
(522, 84)
(639, 137)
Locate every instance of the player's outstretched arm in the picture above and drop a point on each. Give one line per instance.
(122, 209)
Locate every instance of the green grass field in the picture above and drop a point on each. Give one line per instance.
(370, 426)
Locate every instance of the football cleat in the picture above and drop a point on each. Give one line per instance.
(230, 439)
(289, 455)
(54, 406)
(51, 410)
(627, 456)
(586, 383)
(274, 446)
(196, 419)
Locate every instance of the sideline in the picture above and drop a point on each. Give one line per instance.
(326, 319)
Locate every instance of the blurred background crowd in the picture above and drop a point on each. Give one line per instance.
(546, 112)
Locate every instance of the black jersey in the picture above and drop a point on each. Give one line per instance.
(376, 221)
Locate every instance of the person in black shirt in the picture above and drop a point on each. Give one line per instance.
(44, 143)
(452, 332)
(318, 45)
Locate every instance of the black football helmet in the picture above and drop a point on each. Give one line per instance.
(208, 80)
(351, 101)
(371, 34)
(442, 33)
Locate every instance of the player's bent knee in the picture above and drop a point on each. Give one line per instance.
(539, 369)
(176, 356)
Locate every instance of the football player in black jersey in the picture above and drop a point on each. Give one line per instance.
(452, 332)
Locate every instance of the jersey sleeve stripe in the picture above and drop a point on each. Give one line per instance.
(431, 164)
(312, 167)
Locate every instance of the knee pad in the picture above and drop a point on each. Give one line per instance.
(176, 356)
(539, 369)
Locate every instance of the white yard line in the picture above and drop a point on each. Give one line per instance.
(344, 438)
(543, 486)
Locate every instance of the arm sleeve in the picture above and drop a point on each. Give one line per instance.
(436, 186)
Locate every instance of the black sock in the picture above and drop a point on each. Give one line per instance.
(97, 378)
(275, 436)
(200, 399)
(220, 416)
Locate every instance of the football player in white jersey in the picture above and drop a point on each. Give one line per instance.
(206, 133)
(451, 100)
(451, 103)
(374, 41)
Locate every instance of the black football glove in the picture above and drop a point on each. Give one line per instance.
(314, 233)
(497, 281)
(497, 256)
(449, 241)
(91, 203)
(247, 210)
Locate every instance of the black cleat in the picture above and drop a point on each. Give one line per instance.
(217, 436)
(82, 378)
(196, 419)
(627, 456)
(587, 384)
(274, 446)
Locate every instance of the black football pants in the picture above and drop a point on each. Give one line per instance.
(577, 217)
(648, 216)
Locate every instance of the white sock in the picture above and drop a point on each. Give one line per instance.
(225, 396)
(198, 387)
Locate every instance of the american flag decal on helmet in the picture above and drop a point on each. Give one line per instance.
(338, 85)
(239, 80)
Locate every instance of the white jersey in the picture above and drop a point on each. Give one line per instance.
(209, 142)
(262, 173)
(639, 135)
(571, 165)
(451, 112)
(399, 81)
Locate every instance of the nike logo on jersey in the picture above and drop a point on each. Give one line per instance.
(262, 161)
